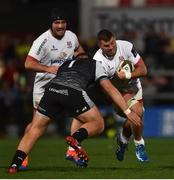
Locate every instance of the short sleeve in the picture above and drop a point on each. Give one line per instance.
(133, 55)
(38, 49)
(100, 72)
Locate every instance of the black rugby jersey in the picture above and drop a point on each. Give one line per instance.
(79, 74)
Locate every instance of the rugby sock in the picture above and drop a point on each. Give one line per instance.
(18, 158)
(141, 141)
(80, 134)
(124, 139)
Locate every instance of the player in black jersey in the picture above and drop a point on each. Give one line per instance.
(67, 92)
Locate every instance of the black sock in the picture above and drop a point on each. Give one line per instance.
(18, 158)
(80, 134)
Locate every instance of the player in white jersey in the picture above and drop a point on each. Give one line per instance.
(111, 54)
(47, 54)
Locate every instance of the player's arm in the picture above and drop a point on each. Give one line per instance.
(33, 64)
(119, 100)
(140, 69)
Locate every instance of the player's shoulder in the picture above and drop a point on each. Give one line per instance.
(98, 54)
(123, 43)
(43, 37)
(70, 34)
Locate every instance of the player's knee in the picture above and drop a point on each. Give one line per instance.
(137, 108)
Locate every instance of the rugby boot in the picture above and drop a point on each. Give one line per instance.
(141, 153)
(72, 155)
(80, 152)
(121, 148)
(24, 164)
(12, 169)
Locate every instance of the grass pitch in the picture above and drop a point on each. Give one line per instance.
(47, 160)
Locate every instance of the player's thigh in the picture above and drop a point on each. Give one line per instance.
(79, 105)
(49, 104)
(92, 114)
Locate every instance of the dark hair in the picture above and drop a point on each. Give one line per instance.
(104, 35)
(82, 56)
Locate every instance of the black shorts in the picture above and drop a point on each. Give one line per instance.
(58, 98)
(98, 95)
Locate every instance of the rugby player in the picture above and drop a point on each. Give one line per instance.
(67, 92)
(111, 54)
(47, 54)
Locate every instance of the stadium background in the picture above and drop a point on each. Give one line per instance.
(148, 24)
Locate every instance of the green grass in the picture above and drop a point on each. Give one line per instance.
(47, 160)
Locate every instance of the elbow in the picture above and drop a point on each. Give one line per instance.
(27, 64)
(142, 71)
(30, 62)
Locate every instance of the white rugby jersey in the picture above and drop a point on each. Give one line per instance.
(124, 51)
(50, 51)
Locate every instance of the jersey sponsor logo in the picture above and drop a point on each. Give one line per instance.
(41, 46)
(57, 61)
(69, 44)
(60, 91)
(60, 59)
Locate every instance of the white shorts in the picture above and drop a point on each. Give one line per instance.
(36, 99)
(139, 95)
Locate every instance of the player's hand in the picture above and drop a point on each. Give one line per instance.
(134, 118)
(52, 69)
(121, 74)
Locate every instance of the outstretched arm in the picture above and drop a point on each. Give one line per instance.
(119, 100)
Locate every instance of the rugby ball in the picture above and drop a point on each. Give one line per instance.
(126, 66)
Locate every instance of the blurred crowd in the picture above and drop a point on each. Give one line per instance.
(156, 48)
(15, 82)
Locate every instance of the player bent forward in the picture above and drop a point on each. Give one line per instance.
(67, 91)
